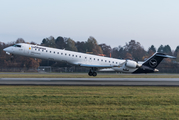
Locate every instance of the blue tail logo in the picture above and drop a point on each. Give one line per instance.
(153, 63)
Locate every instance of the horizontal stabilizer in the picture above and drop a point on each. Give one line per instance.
(165, 56)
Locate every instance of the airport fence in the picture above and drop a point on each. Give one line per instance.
(163, 68)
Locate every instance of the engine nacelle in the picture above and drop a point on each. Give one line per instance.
(132, 64)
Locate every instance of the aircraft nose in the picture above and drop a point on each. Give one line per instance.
(8, 49)
(5, 49)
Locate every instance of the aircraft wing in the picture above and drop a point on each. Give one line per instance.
(95, 66)
(122, 64)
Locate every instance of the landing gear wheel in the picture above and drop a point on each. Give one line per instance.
(94, 74)
(12, 57)
(90, 73)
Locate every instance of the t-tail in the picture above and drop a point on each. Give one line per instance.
(149, 66)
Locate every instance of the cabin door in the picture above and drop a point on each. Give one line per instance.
(27, 49)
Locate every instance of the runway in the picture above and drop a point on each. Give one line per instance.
(91, 81)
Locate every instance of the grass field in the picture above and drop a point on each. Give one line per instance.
(84, 75)
(74, 102)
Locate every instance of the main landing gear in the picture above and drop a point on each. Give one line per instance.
(92, 72)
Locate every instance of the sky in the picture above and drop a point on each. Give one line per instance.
(113, 22)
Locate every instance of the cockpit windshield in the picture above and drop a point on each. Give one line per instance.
(17, 45)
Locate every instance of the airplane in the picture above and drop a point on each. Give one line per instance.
(94, 62)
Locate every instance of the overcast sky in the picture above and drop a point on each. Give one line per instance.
(114, 22)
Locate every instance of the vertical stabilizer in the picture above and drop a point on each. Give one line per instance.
(151, 63)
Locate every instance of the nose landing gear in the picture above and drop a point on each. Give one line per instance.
(12, 57)
(92, 72)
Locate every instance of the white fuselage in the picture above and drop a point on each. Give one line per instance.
(75, 58)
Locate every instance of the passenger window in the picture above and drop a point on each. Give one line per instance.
(109, 61)
(113, 62)
(61, 53)
(39, 49)
(94, 58)
(101, 60)
(76, 56)
(79, 56)
(105, 60)
(57, 52)
(69, 54)
(72, 55)
(116, 62)
(46, 50)
(54, 52)
(35, 49)
(42, 50)
(65, 54)
(98, 59)
(50, 51)
(90, 58)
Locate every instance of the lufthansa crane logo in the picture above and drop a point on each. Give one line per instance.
(153, 62)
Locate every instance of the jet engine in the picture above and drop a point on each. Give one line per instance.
(132, 64)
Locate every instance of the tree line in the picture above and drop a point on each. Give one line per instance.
(131, 50)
